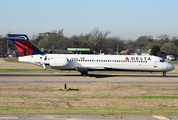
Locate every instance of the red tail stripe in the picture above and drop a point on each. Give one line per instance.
(27, 45)
(24, 44)
(20, 50)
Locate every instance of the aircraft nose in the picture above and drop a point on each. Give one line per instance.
(171, 67)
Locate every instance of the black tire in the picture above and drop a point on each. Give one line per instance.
(85, 73)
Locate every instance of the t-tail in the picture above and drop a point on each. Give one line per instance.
(23, 44)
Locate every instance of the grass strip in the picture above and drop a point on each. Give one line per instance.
(34, 70)
(13, 59)
(152, 97)
(173, 62)
(4, 110)
(101, 97)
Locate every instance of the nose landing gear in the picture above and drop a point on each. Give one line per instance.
(164, 74)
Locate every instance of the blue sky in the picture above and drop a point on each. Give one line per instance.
(127, 19)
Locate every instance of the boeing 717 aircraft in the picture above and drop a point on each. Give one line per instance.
(84, 63)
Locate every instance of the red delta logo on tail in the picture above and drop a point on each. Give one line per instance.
(23, 44)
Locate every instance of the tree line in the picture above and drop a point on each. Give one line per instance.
(98, 41)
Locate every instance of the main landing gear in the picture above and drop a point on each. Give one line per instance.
(164, 74)
(83, 71)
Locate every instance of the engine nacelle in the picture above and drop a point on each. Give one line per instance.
(61, 61)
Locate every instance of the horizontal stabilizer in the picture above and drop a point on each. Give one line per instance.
(18, 37)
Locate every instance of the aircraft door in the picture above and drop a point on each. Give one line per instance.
(155, 64)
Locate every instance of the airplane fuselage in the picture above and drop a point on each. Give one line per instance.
(101, 62)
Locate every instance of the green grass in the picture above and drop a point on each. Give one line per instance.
(14, 59)
(173, 62)
(26, 70)
(34, 70)
(101, 97)
(135, 97)
(4, 110)
(152, 97)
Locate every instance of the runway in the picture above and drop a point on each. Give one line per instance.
(91, 78)
(86, 117)
(77, 78)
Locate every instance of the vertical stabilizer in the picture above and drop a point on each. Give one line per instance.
(23, 44)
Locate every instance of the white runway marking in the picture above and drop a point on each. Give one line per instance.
(7, 118)
(160, 117)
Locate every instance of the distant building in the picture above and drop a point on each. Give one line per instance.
(158, 38)
(146, 52)
(57, 51)
(44, 34)
(162, 54)
(135, 52)
(128, 52)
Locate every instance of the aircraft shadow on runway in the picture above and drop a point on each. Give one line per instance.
(89, 75)
(128, 75)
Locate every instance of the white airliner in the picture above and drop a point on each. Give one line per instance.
(84, 63)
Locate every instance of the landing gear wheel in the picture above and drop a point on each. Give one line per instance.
(164, 74)
(84, 73)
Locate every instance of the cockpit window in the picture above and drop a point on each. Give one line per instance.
(162, 60)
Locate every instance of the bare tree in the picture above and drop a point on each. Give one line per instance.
(60, 32)
(99, 37)
(163, 38)
(174, 38)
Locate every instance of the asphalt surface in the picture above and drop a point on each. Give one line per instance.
(86, 117)
(76, 78)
